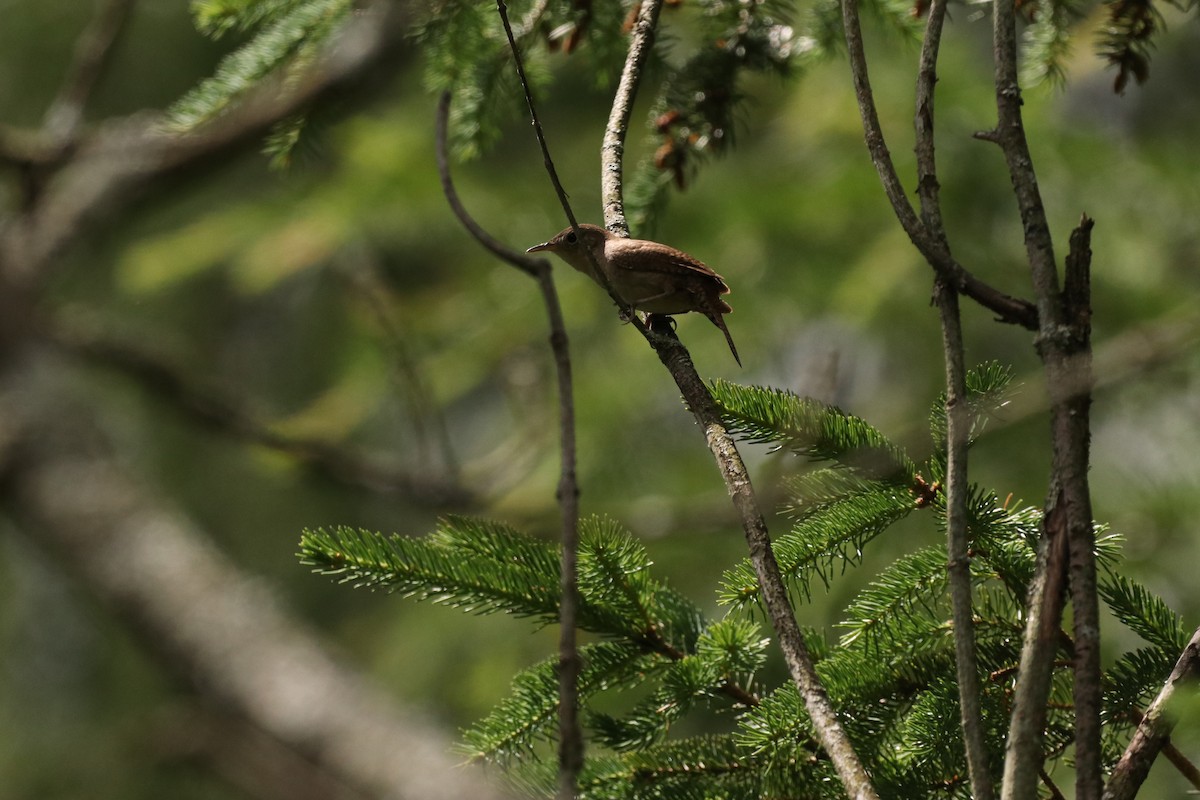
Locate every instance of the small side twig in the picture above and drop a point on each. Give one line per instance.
(957, 422)
(1051, 786)
(360, 270)
(1009, 309)
(570, 732)
(92, 53)
(1183, 765)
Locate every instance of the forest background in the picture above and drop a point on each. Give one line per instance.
(338, 301)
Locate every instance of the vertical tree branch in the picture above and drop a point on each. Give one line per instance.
(1064, 344)
(1023, 752)
(1071, 369)
(1153, 731)
(1009, 309)
(612, 150)
(957, 421)
(570, 732)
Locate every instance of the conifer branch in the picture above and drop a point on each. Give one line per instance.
(570, 741)
(958, 422)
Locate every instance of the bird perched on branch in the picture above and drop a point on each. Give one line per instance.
(646, 275)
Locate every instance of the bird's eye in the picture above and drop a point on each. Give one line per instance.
(572, 238)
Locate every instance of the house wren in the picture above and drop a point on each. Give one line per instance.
(647, 276)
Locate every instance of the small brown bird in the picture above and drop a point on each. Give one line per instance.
(647, 276)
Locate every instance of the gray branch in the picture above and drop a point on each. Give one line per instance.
(219, 629)
(1154, 731)
(1064, 344)
(957, 421)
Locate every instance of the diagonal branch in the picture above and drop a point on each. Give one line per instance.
(570, 732)
(678, 362)
(222, 413)
(218, 629)
(121, 158)
(1009, 309)
(957, 422)
(1154, 731)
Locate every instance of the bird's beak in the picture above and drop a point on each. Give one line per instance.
(537, 248)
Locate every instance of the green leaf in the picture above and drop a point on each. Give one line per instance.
(831, 536)
(1144, 612)
(988, 391)
(812, 430)
(530, 713)
(306, 27)
(883, 614)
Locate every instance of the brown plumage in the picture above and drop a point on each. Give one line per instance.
(647, 276)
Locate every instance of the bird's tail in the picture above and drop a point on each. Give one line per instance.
(720, 323)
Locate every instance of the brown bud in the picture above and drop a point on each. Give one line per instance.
(631, 18)
(666, 156)
(665, 121)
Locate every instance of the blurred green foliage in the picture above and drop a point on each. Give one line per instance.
(246, 277)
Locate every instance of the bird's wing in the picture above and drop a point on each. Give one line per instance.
(628, 254)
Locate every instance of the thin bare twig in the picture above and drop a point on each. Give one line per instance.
(92, 53)
(1064, 344)
(360, 269)
(1009, 309)
(1154, 729)
(612, 150)
(570, 731)
(528, 264)
(222, 413)
(957, 422)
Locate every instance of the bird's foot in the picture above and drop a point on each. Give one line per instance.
(653, 320)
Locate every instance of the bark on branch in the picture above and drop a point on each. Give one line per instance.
(1154, 731)
(221, 630)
